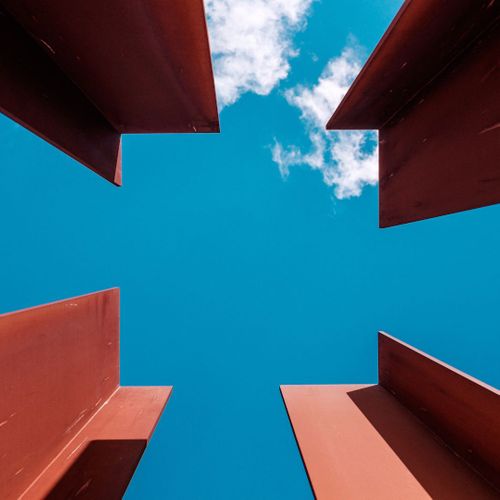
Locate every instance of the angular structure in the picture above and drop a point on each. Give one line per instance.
(425, 431)
(81, 73)
(67, 428)
(431, 89)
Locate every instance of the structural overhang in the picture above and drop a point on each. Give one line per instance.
(431, 89)
(81, 73)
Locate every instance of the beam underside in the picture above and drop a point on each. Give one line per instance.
(38, 95)
(432, 96)
(155, 74)
(407, 59)
(442, 153)
(115, 436)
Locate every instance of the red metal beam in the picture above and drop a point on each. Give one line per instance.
(364, 441)
(60, 392)
(463, 411)
(37, 94)
(125, 67)
(432, 93)
(102, 470)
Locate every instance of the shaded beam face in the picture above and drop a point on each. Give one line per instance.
(37, 94)
(357, 441)
(139, 67)
(433, 95)
(388, 440)
(59, 391)
(464, 412)
(117, 434)
(442, 154)
(102, 470)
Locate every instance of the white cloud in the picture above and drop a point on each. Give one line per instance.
(251, 43)
(347, 160)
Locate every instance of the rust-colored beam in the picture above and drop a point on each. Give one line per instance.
(433, 95)
(463, 411)
(102, 470)
(37, 94)
(60, 395)
(81, 73)
(371, 441)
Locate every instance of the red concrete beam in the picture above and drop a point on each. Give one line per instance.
(370, 441)
(60, 395)
(432, 94)
(92, 70)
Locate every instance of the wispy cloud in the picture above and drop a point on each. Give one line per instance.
(252, 43)
(348, 161)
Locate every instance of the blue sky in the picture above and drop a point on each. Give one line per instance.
(235, 280)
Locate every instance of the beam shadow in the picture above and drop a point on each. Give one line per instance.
(103, 470)
(442, 473)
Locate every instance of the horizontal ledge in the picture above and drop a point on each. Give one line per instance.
(131, 413)
(408, 59)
